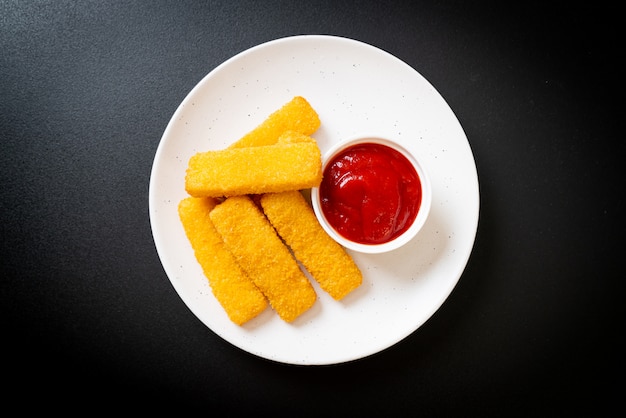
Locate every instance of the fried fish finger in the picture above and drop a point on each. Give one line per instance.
(296, 115)
(248, 235)
(292, 165)
(323, 257)
(233, 289)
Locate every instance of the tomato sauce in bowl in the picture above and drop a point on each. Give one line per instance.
(371, 195)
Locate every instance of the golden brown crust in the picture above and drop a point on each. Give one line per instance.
(296, 115)
(233, 289)
(263, 256)
(324, 258)
(255, 170)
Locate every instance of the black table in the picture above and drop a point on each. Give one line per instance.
(534, 325)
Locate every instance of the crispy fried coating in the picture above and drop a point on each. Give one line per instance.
(259, 251)
(323, 257)
(293, 137)
(292, 164)
(233, 289)
(296, 115)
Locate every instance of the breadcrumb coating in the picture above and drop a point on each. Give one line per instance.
(248, 235)
(293, 163)
(296, 115)
(233, 289)
(323, 257)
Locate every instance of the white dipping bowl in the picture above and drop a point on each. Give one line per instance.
(401, 239)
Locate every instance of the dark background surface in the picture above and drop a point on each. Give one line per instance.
(534, 326)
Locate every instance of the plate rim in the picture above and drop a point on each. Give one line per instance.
(160, 150)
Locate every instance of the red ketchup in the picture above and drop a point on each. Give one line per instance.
(370, 193)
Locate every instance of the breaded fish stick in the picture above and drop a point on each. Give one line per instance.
(233, 289)
(262, 255)
(296, 115)
(292, 165)
(324, 258)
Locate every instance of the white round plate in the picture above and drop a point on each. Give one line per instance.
(355, 88)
